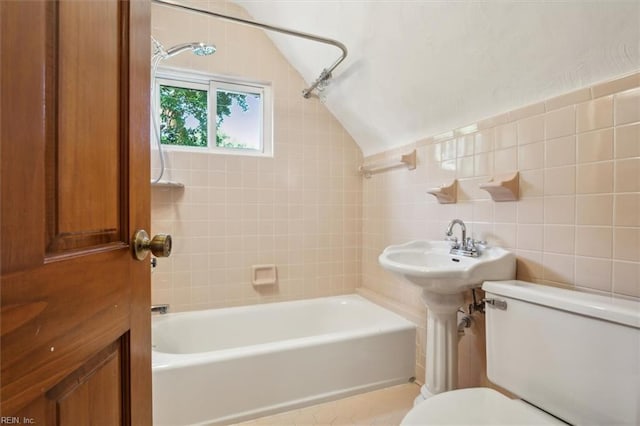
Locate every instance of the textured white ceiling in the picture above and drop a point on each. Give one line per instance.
(418, 68)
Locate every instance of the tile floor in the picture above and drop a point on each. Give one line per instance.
(380, 407)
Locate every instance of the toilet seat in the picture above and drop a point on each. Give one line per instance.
(476, 406)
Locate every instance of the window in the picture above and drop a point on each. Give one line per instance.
(212, 114)
(184, 110)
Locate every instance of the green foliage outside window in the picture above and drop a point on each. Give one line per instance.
(224, 101)
(183, 116)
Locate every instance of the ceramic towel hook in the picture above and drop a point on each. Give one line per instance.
(446, 194)
(503, 188)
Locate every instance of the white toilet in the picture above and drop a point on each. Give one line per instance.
(572, 357)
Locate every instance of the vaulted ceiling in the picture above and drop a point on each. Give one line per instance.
(418, 68)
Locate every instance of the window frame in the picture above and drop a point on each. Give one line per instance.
(211, 83)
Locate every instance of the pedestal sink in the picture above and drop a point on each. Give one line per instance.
(444, 278)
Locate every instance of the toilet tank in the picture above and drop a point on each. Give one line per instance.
(575, 355)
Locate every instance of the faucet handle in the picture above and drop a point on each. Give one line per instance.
(475, 244)
(453, 240)
(469, 244)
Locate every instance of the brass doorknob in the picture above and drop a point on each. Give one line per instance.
(160, 245)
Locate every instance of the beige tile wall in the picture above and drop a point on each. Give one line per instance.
(576, 224)
(300, 210)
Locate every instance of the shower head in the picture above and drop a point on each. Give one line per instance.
(204, 49)
(198, 48)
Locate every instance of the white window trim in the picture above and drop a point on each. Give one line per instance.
(203, 81)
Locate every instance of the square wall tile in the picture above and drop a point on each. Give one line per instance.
(627, 176)
(594, 178)
(504, 235)
(531, 210)
(506, 136)
(465, 167)
(594, 209)
(531, 156)
(506, 212)
(448, 150)
(559, 239)
(594, 241)
(626, 278)
(593, 273)
(626, 244)
(560, 210)
(558, 268)
(483, 211)
(626, 210)
(484, 141)
(560, 181)
(560, 152)
(465, 145)
(627, 141)
(561, 122)
(595, 146)
(627, 107)
(505, 160)
(530, 237)
(483, 164)
(464, 210)
(530, 130)
(595, 114)
(531, 183)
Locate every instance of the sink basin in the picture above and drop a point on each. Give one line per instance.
(429, 265)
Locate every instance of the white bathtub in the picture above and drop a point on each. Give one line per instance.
(227, 365)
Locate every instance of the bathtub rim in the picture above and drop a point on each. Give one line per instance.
(168, 360)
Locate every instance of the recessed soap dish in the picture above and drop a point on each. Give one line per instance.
(503, 188)
(446, 194)
(264, 275)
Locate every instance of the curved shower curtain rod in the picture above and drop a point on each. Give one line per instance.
(324, 76)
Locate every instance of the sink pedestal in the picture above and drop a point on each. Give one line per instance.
(442, 343)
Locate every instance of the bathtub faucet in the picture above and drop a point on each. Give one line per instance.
(161, 309)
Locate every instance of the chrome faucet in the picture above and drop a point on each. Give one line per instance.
(450, 232)
(161, 308)
(466, 246)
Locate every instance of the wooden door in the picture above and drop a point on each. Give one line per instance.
(75, 320)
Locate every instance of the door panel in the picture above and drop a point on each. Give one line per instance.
(91, 76)
(93, 394)
(74, 306)
(23, 132)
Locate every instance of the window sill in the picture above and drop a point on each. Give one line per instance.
(222, 151)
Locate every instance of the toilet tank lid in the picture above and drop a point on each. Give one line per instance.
(605, 307)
